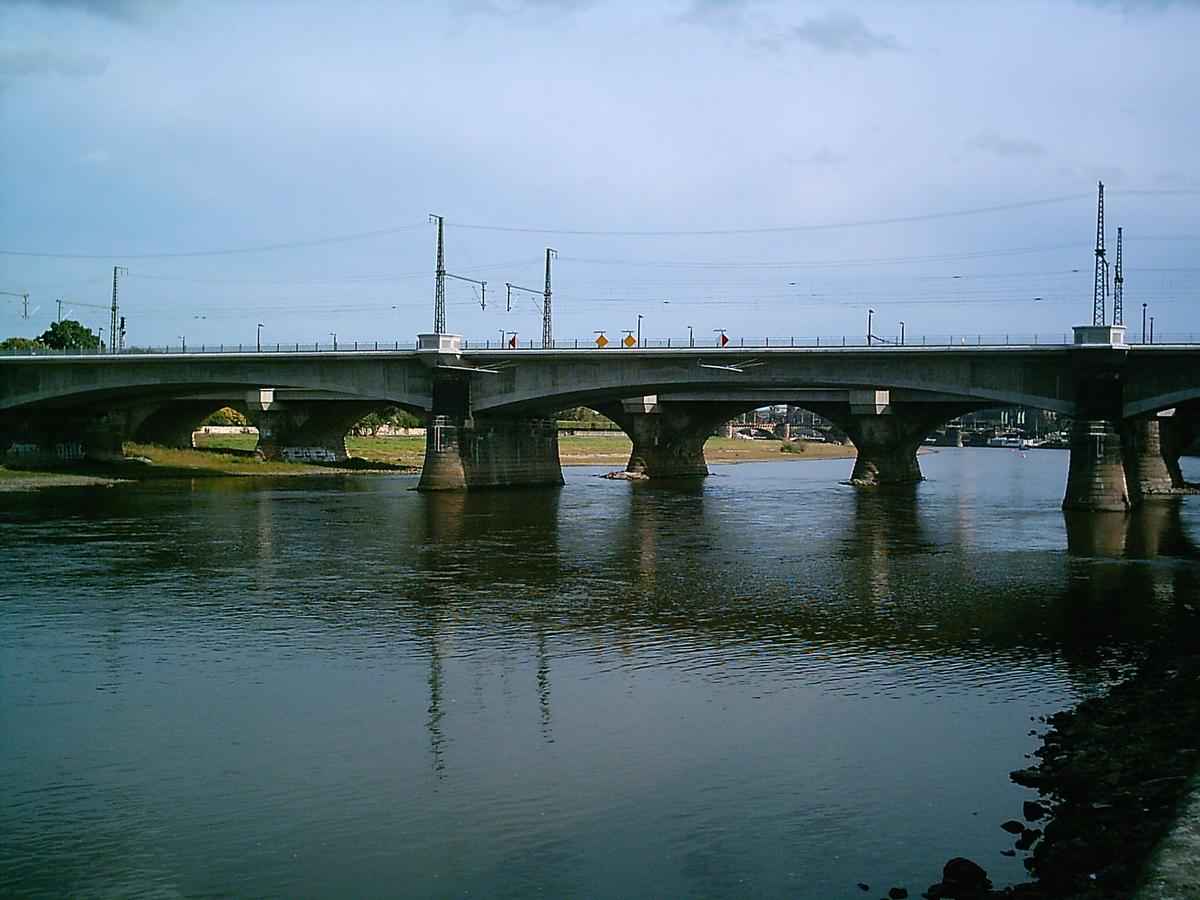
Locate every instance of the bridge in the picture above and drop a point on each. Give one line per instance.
(490, 413)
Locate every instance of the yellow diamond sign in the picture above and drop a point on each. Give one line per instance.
(601, 341)
(629, 341)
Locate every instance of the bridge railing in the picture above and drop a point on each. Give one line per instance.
(735, 343)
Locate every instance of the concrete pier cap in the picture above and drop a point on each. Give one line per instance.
(1099, 335)
(439, 349)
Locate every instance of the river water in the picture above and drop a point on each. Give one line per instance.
(767, 684)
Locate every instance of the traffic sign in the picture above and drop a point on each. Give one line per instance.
(629, 341)
(601, 341)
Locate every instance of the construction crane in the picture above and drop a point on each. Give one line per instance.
(547, 317)
(439, 293)
(1118, 281)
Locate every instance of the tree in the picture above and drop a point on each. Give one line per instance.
(21, 343)
(69, 335)
(225, 416)
(392, 416)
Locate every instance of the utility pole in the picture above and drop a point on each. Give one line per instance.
(59, 302)
(439, 287)
(1101, 284)
(1118, 280)
(547, 318)
(547, 321)
(439, 291)
(113, 334)
(24, 302)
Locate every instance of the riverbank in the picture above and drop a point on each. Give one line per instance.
(233, 454)
(1116, 775)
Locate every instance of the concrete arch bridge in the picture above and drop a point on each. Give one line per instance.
(491, 413)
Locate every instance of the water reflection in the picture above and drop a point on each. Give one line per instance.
(749, 683)
(1154, 529)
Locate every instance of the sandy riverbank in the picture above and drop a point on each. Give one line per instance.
(232, 455)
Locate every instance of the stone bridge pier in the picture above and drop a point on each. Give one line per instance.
(65, 435)
(468, 452)
(886, 434)
(668, 436)
(304, 430)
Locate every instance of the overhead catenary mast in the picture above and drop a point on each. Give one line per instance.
(1118, 281)
(114, 336)
(547, 317)
(439, 291)
(1100, 290)
(547, 320)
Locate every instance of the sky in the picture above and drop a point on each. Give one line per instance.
(773, 169)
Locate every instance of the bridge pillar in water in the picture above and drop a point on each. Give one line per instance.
(886, 435)
(474, 453)
(1101, 476)
(304, 430)
(1176, 433)
(668, 437)
(1145, 462)
(465, 452)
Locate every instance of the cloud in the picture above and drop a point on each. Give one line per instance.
(826, 157)
(1132, 7)
(1005, 146)
(93, 157)
(18, 62)
(725, 11)
(119, 10)
(839, 31)
(526, 9)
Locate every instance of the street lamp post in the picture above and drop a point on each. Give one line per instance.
(1152, 329)
(258, 338)
(333, 334)
(691, 337)
(639, 330)
(183, 344)
(870, 318)
(902, 334)
(1143, 323)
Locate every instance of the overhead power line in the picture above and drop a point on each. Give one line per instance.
(225, 252)
(1047, 201)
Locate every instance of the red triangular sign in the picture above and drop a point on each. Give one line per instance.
(512, 342)
(724, 339)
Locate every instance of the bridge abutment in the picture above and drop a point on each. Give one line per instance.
(65, 437)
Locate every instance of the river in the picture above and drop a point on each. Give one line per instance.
(765, 684)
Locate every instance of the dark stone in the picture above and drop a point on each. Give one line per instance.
(1033, 811)
(1012, 826)
(897, 893)
(1008, 852)
(863, 887)
(1028, 836)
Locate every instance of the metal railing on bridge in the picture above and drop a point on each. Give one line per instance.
(734, 343)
